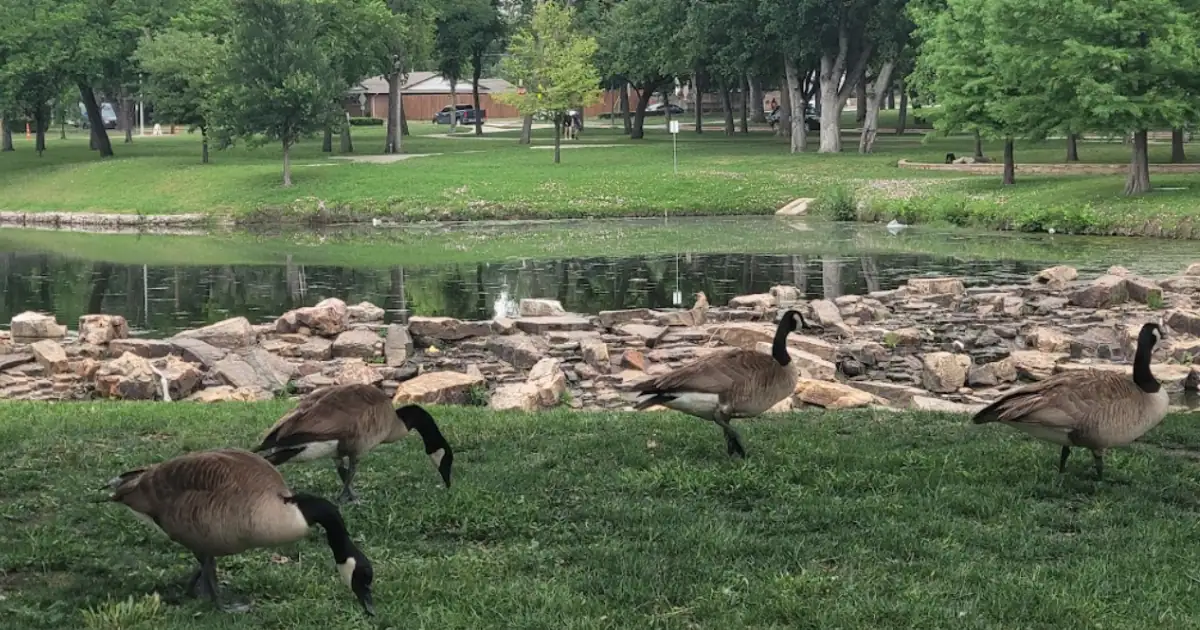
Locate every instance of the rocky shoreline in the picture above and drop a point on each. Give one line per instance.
(932, 344)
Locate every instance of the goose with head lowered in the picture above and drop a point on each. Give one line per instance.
(1091, 409)
(226, 501)
(734, 383)
(344, 422)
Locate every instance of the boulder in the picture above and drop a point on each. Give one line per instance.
(446, 328)
(397, 346)
(1184, 322)
(943, 372)
(896, 394)
(831, 395)
(327, 318)
(595, 354)
(364, 313)
(101, 329)
(256, 370)
(1143, 290)
(1192, 269)
(814, 345)
(744, 334)
(1048, 340)
(757, 301)
(1057, 277)
(540, 307)
(633, 359)
(229, 334)
(50, 355)
(543, 325)
(648, 334)
(543, 389)
(182, 377)
(608, 319)
(226, 393)
(520, 351)
(785, 295)
(357, 343)
(30, 326)
(825, 312)
(926, 403)
(1035, 365)
(1105, 291)
(356, 371)
(197, 351)
(15, 359)
(438, 388)
(811, 365)
(145, 348)
(936, 286)
(128, 377)
(315, 349)
(992, 374)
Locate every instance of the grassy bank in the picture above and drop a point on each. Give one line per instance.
(557, 520)
(468, 178)
(367, 247)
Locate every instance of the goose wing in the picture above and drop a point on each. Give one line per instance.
(326, 414)
(1068, 400)
(714, 374)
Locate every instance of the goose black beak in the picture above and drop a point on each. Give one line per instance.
(368, 604)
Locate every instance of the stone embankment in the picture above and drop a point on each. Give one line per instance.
(932, 344)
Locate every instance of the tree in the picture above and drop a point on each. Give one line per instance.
(358, 37)
(891, 30)
(410, 44)
(639, 42)
(279, 80)
(554, 63)
(486, 33)
(182, 77)
(35, 56)
(452, 31)
(844, 37)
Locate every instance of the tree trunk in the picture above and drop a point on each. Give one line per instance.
(1177, 154)
(639, 115)
(1010, 165)
(203, 145)
(327, 142)
(860, 100)
(666, 96)
(475, 95)
(453, 104)
(978, 145)
(784, 124)
(745, 89)
(392, 142)
(99, 133)
(833, 99)
(625, 109)
(1139, 167)
(347, 139)
(526, 130)
(793, 98)
(40, 120)
(727, 107)
(558, 120)
(902, 123)
(758, 112)
(6, 135)
(698, 100)
(403, 119)
(875, 95)
(287, 163)
(891, 102)
(127, 108)
(1072, 147)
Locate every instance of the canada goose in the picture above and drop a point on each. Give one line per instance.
(1090, 409)
(223, 502)
(735, 383)
(345, 422)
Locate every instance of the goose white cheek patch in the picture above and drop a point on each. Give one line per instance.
(437, 456)
(346, 570)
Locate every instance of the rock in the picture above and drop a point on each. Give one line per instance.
(356, 371)
(1048, 340)
(1056, 278)
(310, 383)
(519, 351)
(811, 365)
(814, 345)
(539, 307)
(898, 395)
(101, 329)
(12, 360)
(128, 377)
(1143, 290)
(868, 353)
(364, 313)
(609, 319)
(327, 318)
(230, 334)
(903, 338)
(1185, 322)
(543, 325)
(1186, 351)
(197, 351)
(397, 346)
(1181, 284)
(182, 377)
(825, 312)
(225, 393)
(1169, 373)
(943, 372)
(438, 388)
(1118, 270)
(1192, 382)
(50, 355)
(30, 326)
(1034, 365)
(689, 318)
(446, 329)
(992, 374)
(315, 349)
(513, 396)
(744, 334)
(503, 326)
(785, 295)
(925, 403)
(1192, 269)
(1105, 291)
(633, 359)
(356, 343)
(646, 333)
(271, 367)
(543, 389)
(831, 395)
(757, 301)
(936, 286)
(595, 354)
(255, 371)
(145, 348)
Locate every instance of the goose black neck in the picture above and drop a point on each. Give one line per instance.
(318, 511)
(1142, 376)
(779, 346)
(419, 420)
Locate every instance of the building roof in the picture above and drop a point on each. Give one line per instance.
(429, 83)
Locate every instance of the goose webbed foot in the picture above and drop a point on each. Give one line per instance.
(1098, 458)
(733, 440)
(346, 473)
(348, 496)
(1062, 459)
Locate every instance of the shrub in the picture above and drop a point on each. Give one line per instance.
(365, 121)
(838, 203)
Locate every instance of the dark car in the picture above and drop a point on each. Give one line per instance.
(464, 115)
(810, 117)
(107, 114)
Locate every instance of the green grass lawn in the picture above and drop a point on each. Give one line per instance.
(563, 520)
(493, 177)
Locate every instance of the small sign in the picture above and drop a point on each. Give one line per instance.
(674, 126)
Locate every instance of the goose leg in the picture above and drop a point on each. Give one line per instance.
(733, 441)
(1098, 457)
(1062, 459)
(346, 472)
(208, 585)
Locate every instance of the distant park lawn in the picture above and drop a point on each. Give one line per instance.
(493, 177)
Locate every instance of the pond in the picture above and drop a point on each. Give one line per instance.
(163, 284)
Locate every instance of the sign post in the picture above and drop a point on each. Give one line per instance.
(674, 128)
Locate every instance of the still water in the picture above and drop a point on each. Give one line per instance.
(159, 299)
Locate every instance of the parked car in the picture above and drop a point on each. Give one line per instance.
(810, 117)
(107, 114)
(464, 114)
(657, 109)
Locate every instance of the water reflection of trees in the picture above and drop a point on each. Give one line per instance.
(178, 297)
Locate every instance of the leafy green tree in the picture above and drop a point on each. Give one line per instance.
(410, 44)
(452, 31)
(554, 64)
(485, 35)
(183, 68)
(279, 79)
(35, 63)
(358, 37)
(640, 42)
